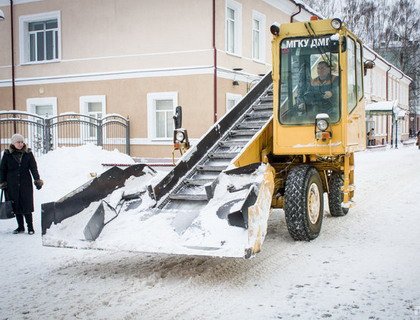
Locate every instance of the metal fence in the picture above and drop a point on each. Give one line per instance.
(67, 129)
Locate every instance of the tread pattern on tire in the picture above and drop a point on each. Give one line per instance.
(295, 204)
(335, 197)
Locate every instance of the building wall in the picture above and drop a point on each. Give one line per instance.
(126, 49)
(376, 90)
(128, 97)
(113, 35)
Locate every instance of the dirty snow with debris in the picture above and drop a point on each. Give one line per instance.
(365, 265)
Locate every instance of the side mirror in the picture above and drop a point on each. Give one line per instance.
(275, 29)
(368, 64)
(334, 43)
(343, 44)
(178, 117)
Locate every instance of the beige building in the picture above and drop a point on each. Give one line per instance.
(387, 98)
(142, 58)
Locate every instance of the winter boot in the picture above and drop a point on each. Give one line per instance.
(29, 223)
(21, 227)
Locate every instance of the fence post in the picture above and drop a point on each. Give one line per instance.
(48, 146)
(127, 137)
(99, 133)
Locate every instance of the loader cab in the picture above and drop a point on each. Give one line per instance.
(309, 80)
(318, 89)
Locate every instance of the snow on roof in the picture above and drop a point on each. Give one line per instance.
(400, 113)
(376, 55)
(308, 8)
(381, 106)
(387, 106)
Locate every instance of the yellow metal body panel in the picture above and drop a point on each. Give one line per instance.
(348, 135)
(257, 148)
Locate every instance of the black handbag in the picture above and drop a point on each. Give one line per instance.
(6, 210)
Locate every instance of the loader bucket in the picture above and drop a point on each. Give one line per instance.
(232, 224)
(94, 190)
(96, 224)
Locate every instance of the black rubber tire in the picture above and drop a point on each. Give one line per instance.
(335, 198)
(298, 184)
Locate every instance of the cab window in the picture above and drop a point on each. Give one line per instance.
(351, 75)
(359, 71)
(309, 80)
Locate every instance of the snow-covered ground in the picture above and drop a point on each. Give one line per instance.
(365, 265)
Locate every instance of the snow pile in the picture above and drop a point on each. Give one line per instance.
(66, 169)
(139, 227)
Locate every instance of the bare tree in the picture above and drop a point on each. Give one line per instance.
(401, 43)
(328, 8)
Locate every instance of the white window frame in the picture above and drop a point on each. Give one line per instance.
(31, 104)
(24, 49)
(83, 104)
(237, 45)
(151, 112)
(232, 96)
(258, 16)
(84, 100)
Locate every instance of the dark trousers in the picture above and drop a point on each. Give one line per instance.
(28, 218)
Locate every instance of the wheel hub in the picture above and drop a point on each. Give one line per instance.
(314, 203)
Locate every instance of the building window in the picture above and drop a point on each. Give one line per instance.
(42, 107)
(258, 36)
(233, 27)
(161, 109)
(95, 108)
(232, 100)
(40, 37)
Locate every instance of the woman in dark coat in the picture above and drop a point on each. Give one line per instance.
(17, 165)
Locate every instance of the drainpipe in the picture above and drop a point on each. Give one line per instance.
(12, 42)
(386, 98)
(375, 56)
(214, 64)
(396, 123)
(295, 14)
(387, 81)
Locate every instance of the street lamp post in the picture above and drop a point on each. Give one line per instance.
(2, 17)
(12, 43)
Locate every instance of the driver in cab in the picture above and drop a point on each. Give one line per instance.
(324, 81)
(320, 95)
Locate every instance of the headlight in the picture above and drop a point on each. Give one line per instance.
(322, 124)
(180, 136)
(336, 23)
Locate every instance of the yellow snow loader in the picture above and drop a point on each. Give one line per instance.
(287, 142)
